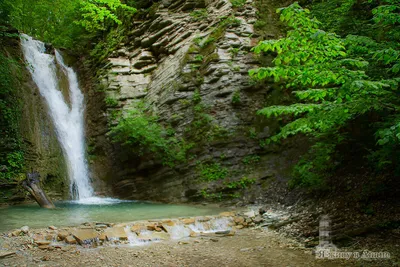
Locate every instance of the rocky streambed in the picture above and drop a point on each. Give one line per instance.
(231, 238)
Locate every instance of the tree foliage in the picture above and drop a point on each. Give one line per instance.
(69, 24)
(330, 78)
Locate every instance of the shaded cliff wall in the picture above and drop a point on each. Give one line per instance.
(190, 53)
(39, 141)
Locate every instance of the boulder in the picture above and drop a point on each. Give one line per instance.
(116, 233)
(227, 214)
(49, 237)
(102, 237)
(4, 254)
(137, 228)
(37, 237)
(70, 240)
(250, 214)
(203, 219)
(168, 223)
(258, 219)
(239, 220)
(52, 227)
(25, 229)
(42, 242)
(43, 247)
(16, 232)
(188, 221)
(62, 235)
(85, 236)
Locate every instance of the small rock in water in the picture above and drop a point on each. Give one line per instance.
(49, 237)
(222, 232)
(70, 240)
(116, 233)
(84, 236)
(52, 227)
(101, 226)
(258, 219)
(102, 237)
(25, 229)
(137, 228)
(62, 235)
(42, 242)
(239, 220)
(16, 233)
(188, 221)
(43, 247)
(250, 214)
(227, 214)
(214, 239)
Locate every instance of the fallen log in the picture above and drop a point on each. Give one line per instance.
(32, 185)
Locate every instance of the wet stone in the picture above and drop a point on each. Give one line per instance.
(70, 240)
(153, 236)
(42, 242)
(116, 233)
(85, 236)
(62, 235)
(188, 221)
(25, 229)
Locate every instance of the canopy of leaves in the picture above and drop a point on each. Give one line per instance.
(64, 23)
(332, 81)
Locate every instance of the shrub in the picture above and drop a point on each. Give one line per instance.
(141, 132)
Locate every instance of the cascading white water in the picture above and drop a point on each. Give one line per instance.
(68, 119)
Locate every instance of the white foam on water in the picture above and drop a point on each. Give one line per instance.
(99, 201)
(133, 239)
(211, 226)
(178, 231)
(68, 119)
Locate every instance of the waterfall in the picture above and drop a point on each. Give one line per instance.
(67, 116)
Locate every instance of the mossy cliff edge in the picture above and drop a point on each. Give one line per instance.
(179, 76)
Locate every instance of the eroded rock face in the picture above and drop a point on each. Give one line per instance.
(168, 60)
(42, 151)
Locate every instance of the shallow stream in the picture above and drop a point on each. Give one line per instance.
(72, 213)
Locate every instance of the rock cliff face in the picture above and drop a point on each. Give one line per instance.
(43, 152)
(190, 62)
(41, 147)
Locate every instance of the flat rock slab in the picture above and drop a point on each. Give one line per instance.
(85, 236)
(42, 242)
(70, 240)
(4, 254)
(116, 233)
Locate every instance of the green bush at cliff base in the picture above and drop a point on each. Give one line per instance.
(140, 131)
(212, 172)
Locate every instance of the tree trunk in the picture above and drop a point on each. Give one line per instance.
(32, 185)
